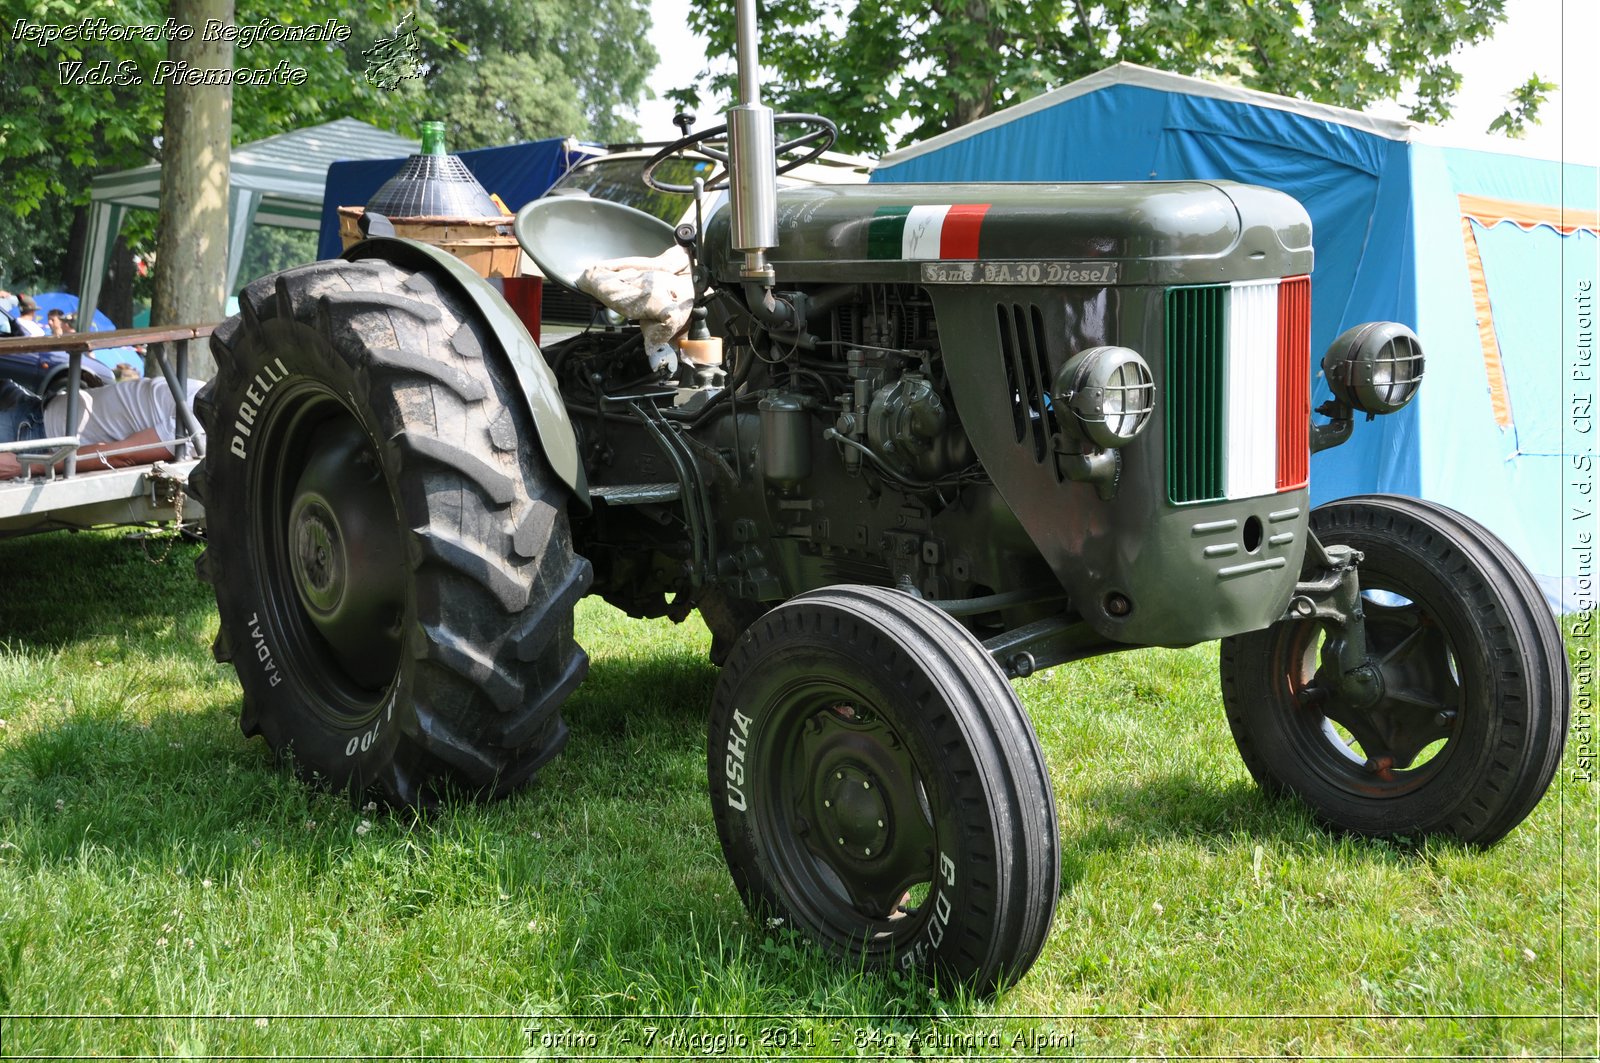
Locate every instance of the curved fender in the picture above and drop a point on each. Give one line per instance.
(540, 393)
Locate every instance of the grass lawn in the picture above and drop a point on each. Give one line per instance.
(167, 889)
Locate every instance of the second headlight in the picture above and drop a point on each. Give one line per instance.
(1110, 393)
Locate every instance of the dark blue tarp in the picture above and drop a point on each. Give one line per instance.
(515, 172)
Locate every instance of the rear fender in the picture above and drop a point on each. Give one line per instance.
(540, 394)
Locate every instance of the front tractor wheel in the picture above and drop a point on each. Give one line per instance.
(1460, 718)
(877, 786)
(390, 554)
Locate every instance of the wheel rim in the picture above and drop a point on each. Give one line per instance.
(334, 555)
(1402, 728)
(848, 816)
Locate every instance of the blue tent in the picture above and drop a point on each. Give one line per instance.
(515, 172)
(1486, 254)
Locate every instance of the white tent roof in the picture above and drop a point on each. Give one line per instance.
(1397, 129)
(275, 181)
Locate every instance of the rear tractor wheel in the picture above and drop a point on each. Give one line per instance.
(390, 554)
(877, 786)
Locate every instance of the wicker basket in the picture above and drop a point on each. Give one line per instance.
(487, 245)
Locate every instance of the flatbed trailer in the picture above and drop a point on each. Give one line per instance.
(51, 499)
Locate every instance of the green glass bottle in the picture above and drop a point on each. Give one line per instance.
(433, 183)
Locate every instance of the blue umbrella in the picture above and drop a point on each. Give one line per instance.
(68, 304)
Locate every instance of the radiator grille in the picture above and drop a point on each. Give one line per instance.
(1196, 325)
(563, 305)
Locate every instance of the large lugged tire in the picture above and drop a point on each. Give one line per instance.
(390, 552)
(877, 785)
(1469, 726)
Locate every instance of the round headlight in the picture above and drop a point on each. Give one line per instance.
(1376, 367)
(1110, 392)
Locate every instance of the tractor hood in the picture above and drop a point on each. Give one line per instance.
(1166, 232)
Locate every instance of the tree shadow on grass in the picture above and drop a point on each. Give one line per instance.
(1188, 807)
(67, 587)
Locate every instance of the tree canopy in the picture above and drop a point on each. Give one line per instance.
(511, 70)
(897, 71)
(495, 70)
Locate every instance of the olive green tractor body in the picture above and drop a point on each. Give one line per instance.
(923, 435)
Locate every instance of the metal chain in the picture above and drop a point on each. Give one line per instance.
(177, 528)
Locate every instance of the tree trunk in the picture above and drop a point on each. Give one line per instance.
(192, 230)
(72, 261)
(116, 295)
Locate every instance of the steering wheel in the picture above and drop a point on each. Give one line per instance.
(820, 137)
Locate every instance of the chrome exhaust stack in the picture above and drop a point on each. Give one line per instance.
(753, 168)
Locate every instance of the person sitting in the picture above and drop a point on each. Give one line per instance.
(60, 323)
(119, 424)
(27, 317)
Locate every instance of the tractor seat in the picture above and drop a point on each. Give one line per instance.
(566, 234)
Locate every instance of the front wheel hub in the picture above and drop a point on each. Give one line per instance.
(854, 814)
(862, 791)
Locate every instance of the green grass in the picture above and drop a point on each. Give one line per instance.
(153, 862)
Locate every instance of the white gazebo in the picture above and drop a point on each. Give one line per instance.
(274, 181)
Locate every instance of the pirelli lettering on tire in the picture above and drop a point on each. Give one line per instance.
(255, 394)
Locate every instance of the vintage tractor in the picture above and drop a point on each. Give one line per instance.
(960, 433)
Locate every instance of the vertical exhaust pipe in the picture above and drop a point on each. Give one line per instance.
(753, 179)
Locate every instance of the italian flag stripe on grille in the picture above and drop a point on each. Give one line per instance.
(927, 231)
(1246, 434)
(1294, 383)
(1250, 390)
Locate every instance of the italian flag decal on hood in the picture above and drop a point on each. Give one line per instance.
(934, 231)
(1238, 389)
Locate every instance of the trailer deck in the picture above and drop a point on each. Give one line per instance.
(53, 498)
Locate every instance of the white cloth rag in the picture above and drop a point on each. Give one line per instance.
(656, 292)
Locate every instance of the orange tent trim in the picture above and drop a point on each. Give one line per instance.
(1493, 364)
(1491, 212)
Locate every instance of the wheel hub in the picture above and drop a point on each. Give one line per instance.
(865, 808)
(1361, 688)
(346, 553)
(317, 554)
(1402, 700)
(854, 814)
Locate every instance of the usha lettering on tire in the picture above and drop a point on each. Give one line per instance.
(391, 558)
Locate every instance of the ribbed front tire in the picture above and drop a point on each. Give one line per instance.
(1468, 716)
(876, 785)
